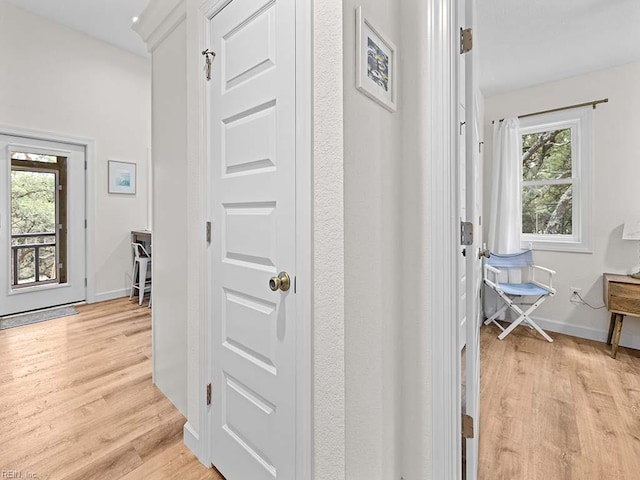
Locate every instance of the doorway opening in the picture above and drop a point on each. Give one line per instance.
(38, 185)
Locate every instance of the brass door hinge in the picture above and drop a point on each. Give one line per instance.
(466, 40)
(467, 426)
(209, 394)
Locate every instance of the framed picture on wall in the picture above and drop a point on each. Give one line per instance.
(376, 72)
(122, 177)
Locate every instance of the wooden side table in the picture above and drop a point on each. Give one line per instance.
(622, 297)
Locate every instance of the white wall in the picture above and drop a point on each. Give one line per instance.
(169, 217)
(194, 215)
(59, 80)
(169, 34)
(414, 345)
(615, 195)
(396, 198)
(372, 163)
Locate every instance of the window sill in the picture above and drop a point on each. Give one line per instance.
(556, 246)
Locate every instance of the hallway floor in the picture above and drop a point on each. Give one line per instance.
(77, 402)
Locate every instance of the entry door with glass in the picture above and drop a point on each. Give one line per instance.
(42, 224)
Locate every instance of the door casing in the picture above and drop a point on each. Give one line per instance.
(443, 206)
(473, 260)
(89, 147)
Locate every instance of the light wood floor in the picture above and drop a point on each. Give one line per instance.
(77, 402)
(557, 411)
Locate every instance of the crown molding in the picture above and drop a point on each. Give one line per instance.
(158, 20)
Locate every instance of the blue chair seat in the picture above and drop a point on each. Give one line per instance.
(524, 289)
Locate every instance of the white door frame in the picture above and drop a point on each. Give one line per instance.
(474, 262)
(304, 238)
(442, 197)
(89, 147)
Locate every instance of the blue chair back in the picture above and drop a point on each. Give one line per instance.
(512, 260)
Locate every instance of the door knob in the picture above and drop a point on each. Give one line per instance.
(281, 282)
(483, 252)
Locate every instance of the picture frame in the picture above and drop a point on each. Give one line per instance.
(376, 63)
(122, 177)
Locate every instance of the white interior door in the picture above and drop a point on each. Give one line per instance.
(251, 133)
(42, 185)
(473, 196)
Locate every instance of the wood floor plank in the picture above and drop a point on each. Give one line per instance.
(174, 463)
(114, 464)
(557, 411)
(161, 437)
(77, 402)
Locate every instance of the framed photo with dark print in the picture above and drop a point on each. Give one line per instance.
(376, 72)
(122, 177)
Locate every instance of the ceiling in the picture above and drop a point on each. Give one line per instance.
(524, 43)
(107, 20)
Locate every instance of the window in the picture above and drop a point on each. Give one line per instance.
(38, 219)
(556, 170)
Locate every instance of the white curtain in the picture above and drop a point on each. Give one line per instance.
(504, 222)
(505, 218)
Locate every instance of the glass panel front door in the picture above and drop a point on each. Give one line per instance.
(42, 224)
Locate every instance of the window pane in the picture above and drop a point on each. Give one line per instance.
(33, 224)
(34, 157)
(47, 264)
(26, 266)
(33, 202)
(547, 209)
(546, 155)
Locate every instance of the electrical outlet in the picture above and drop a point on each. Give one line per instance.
(574, 294)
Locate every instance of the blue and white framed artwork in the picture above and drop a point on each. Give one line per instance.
(122, 177)
(376, 73)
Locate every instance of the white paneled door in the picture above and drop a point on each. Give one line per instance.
(42, 224)
(252, 144)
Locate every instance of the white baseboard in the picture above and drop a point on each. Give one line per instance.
(590, 333)
(192, 442)
(104, 296)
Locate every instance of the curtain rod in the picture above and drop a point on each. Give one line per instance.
(593, 103)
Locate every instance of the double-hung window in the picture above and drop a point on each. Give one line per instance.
(556, 177)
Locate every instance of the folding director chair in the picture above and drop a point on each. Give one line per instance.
(512, 277)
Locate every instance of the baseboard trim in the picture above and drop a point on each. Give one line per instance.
(192, 441)
(590, 333)
(104, 296)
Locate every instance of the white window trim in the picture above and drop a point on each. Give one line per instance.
(580, 121)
